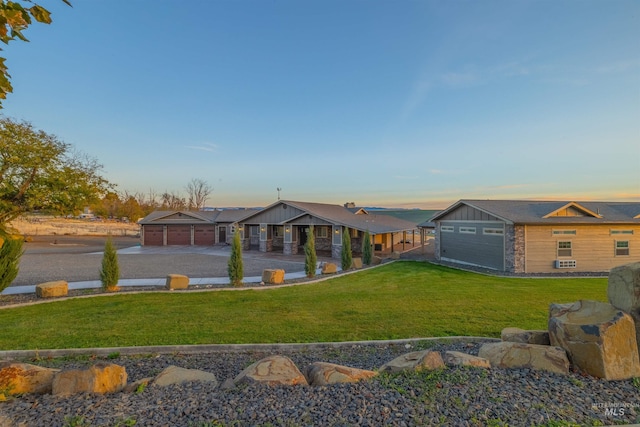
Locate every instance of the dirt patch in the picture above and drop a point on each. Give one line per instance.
(50, 226)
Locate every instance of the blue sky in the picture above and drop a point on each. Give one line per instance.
(387, 103)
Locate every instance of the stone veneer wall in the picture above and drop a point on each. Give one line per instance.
(436, 242)
(290, 248)
(277, 243)
(323, 244)
(514, 248)
(266, 246)
(336, 251)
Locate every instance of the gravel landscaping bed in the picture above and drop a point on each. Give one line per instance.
(455, 396)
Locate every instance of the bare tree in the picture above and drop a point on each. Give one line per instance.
(198, 191)
(172, 201)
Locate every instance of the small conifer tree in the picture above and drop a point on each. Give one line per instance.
(234, 266)
(366, 249)
(310, 257)
(110, 272)
(10, 253)
(347, 256)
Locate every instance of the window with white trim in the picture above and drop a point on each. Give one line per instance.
(621, 231)
(255, 231)
(622, 248)
(447, 228)
(278, 231)
(467, 230)
(323, 232)
(564, 248)
(493, 231)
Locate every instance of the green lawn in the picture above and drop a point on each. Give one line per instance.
(399, 300)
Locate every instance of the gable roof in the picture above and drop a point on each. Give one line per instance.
(548, 212)
(340, 215)
(196, 217)
(179, 217)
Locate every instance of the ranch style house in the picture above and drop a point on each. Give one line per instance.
(519, 236)
(282, 227)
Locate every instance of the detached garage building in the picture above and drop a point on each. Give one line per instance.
(520, 236)
(200, 228)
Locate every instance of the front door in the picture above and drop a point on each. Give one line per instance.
(303, 235)
(222, 234)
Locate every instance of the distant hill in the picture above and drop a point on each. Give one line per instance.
(415, 216)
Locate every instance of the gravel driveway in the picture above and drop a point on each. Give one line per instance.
(74, 259)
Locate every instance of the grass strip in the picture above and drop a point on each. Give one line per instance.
(399, 300)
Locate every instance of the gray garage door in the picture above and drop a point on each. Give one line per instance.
(178, 235)
(474, 243)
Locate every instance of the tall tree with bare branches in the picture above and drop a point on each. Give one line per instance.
(198, 191)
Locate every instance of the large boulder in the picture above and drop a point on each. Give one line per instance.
(176, 282)
(623, 291)
(176, 375)
(415, 361)
(514, 355)
(100, 378)
(457, 358)
(322, 373)
(539, 337)
(329, 268)
(20, 378)
(599, 338)
(356, 263)
(273, 277)
(272, 370)
(58, 288)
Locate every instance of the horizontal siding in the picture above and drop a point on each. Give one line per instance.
(593, 247)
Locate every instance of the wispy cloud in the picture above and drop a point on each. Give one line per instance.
(461, 79)
(205, 147)
(618, 67)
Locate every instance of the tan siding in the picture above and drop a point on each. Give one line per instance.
(593, 247)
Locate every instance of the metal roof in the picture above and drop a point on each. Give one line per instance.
(542, 212)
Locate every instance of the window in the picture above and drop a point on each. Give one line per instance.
(323, 232)
(255, 231)
(278, 231)
(468, 230)
(564, 248)
(354, 233)
(564, 232)
(622, 248)
(493, 231)
(447, 228)
(621, 231)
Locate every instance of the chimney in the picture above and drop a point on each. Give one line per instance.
(350, 205)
